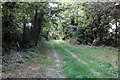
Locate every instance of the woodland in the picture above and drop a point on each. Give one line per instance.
(60, 39)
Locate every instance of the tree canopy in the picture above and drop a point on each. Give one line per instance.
(89, 23)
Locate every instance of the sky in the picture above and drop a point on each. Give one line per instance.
(53, 5)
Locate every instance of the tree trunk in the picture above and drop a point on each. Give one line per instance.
(100, 36)
(37, 37)
(99, 33)
(116, 31)
(24, 35)
(34, 28)
(37, 27)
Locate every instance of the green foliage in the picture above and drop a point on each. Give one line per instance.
(88, 24)
(11, 30)
(16, 17)
(80, 23)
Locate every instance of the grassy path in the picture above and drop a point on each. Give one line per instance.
(72, 67)
(56, 59)
(54, 70)
(80, 60)
(41, 62)
(103, 60)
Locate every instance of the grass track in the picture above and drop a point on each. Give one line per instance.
(72, 67)
(103, 60)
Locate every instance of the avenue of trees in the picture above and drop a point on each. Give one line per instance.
(25, 24)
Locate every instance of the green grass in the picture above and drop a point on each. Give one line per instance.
(72, 67)
(102, 59)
